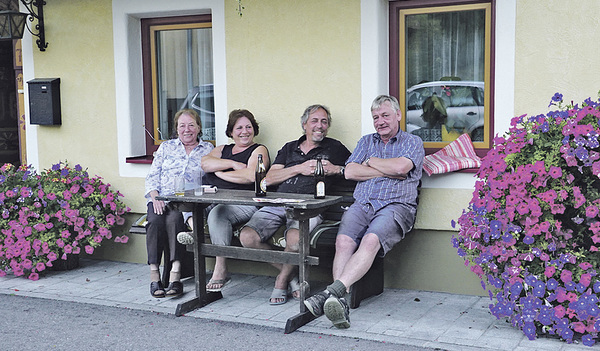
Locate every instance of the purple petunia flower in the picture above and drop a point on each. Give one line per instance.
(528, 239)
(557, 97)
(588, 340)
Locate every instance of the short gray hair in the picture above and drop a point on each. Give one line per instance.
(312, 109)
(382, 99)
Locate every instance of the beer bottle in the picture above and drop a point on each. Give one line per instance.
(260, 181)
(319, 179)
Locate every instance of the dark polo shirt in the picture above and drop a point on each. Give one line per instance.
(291, 155)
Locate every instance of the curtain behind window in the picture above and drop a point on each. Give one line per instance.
(446, 45)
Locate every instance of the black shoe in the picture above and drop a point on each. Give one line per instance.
(174, 289)
(157, 289)
(315, 303)
(338, 312)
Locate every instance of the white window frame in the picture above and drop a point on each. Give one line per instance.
(129, 98)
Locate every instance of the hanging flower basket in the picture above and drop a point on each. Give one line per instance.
(531, 232)
(47, 217)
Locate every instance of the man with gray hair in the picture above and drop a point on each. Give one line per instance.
(292, 172)
(387, 166)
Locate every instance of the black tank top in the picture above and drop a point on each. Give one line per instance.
(227, 153)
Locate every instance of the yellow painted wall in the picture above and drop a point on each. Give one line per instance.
(80, 53)
(556, 51)
(283, 56)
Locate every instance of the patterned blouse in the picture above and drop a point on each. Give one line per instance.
(170, 161)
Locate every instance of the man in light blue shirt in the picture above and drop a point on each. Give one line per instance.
(387, 166)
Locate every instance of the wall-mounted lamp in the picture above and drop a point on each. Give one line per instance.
(13, 23)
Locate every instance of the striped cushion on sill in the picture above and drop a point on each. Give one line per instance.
(459, 154)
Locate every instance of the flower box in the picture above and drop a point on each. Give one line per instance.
(71, 262)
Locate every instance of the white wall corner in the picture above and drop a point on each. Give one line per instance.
(374, 57)
(129, 98)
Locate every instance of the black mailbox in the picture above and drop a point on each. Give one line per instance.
(44, 101)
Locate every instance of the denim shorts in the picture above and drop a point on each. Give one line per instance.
(386, 223)
(268, 220)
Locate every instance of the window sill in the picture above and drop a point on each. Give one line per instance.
(144, 159)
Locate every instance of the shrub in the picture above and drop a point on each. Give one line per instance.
(49, 215)
(531, 232)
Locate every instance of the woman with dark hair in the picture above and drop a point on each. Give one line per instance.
(230, 166)
(178, 157)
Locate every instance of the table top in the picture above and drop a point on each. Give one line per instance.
(247, 197)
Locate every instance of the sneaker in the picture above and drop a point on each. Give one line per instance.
(185, 238)
(315, 303)
(338, 312)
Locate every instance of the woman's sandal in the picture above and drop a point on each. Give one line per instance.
(278, 294)
(174, 289)
(157, 290)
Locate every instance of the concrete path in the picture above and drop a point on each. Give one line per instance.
(404, 317)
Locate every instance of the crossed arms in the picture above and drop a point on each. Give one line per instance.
(233, 171)
(279, 173)
(375, 167)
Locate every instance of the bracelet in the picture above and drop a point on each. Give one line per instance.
(367, 161)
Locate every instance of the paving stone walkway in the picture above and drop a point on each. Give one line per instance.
(404, 317)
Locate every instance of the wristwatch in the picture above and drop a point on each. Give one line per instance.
(342, 170)
(367, 161)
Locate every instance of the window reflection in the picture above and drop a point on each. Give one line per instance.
(445, 73)
(183, 76)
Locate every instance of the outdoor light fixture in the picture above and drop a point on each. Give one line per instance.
(13, 23)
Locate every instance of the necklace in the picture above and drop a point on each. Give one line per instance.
(189, 148)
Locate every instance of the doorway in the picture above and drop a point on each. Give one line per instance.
(9, 117)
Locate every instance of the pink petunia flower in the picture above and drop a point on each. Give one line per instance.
(566, 275)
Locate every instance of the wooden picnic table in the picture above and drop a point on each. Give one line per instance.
(300, 207)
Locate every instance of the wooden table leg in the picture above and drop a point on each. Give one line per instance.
(298, 320)
(202, 298)
(304, 316)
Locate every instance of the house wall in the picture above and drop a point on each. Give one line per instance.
(283, 56)
(556, 51)
(276, 59)
(80, 53)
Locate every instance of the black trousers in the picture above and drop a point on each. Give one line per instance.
(161, 234)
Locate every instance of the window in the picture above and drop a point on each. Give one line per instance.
(441, 70)
(178, 73)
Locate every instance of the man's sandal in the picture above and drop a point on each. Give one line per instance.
(219, 282)
(294, 285)
(278, 294)
(157, 289)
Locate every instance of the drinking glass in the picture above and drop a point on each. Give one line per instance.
(198, 186)
(179, 186)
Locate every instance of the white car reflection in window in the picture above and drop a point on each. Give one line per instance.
(201, 98)
(458, 106)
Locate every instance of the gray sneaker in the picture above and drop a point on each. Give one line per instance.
(185, 238)
(338, 312)
(315, 303)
